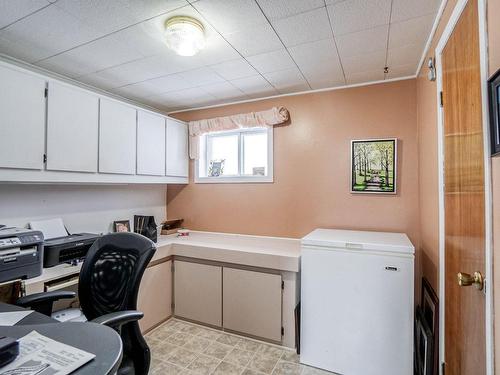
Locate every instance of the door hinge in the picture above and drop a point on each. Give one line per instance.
(282, 285)
(443, 367)
(441, 103)
(46, 92)
(282, 331)
(172, 267)
(45, 158)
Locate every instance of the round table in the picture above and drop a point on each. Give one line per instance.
(94, 338)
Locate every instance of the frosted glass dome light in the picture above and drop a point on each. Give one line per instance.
(184, 35)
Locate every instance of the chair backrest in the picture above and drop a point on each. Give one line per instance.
(109, 282)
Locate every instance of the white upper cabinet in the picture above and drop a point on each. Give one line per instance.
(72, 129)
(22, 119)
(117, 138)
(177, 149)
(150, 144)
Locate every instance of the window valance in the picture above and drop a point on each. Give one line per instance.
(270, 117)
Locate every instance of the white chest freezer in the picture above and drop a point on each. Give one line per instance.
(357, 302)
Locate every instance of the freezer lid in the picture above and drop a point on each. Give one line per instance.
(360, 240)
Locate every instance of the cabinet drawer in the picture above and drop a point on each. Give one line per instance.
(252, 303)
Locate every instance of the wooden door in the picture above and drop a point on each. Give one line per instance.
(72, 129)
(464, 197)
(252, 303)
(117, 138)
(150, 144)
(198, 292)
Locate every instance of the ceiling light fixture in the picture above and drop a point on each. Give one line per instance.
(184, 35)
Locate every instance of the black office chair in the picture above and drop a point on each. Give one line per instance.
(107, 289)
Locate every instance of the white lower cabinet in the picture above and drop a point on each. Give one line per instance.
(198, 292)
(252, 303)
(155, 295)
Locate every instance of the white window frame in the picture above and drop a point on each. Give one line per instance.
(269, 178)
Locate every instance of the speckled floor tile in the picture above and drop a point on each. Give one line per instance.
(218, 350)
(251, 372)
(262, 363)
(226, 368)
(179, 338)
(287, 368)
(197, 344)
(270, 351)
(209, 334)
(204, 365)
(165, 368)
(229, 340)
(249, 345)
(239, 357)
(181, 357)
(290, 356)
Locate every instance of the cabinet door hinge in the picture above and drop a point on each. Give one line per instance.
(441, 103)
(172, 267)
(282, 285)
(443, 368)
(45, 158)
(282, 331)
(46, 92)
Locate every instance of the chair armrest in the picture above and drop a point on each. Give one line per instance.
(42, 302)
(117, 319)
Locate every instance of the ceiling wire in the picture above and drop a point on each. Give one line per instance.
(386, 67)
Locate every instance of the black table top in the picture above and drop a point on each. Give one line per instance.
(94, 338)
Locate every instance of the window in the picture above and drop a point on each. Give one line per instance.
(244, 155)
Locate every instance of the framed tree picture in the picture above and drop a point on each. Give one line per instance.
(373, 166)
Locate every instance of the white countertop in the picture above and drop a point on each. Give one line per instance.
(276, 253)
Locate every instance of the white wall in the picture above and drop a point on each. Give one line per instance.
(83, 208)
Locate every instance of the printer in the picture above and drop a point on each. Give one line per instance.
(21, 253)
(67, 249)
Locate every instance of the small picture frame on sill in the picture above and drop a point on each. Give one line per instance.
(121, 226)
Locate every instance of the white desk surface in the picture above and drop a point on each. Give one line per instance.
(255, 251)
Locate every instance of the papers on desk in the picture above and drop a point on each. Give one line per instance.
(11, 318)
(39, 355)
(52, 228)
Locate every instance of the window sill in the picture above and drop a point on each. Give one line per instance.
(234, 180)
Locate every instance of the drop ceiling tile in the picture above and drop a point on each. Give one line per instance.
(11, 11)
(217, 50)
(201, 76)
(363, 77)
(412, 31)
(332, 2)
(255, 39)
(110, 16)
(46, 33)
(272, 61)
(372, 61)
(94, 56)
(304, 27)
(184, 98)
(234, 69)
(286, 81)
(405, 9)
(254, 85)
(276, 9)
(407, 55)
(230, 16)
(363, 42)
(320, 50)
(356, 15)
(172, 82)
(224, 90)
(99, 81)
(322, 74)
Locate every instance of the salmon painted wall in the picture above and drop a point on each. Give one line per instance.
(312, 168)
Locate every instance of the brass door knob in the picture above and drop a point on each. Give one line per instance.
(465, 279)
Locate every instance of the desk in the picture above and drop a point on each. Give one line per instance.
(94, 338)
